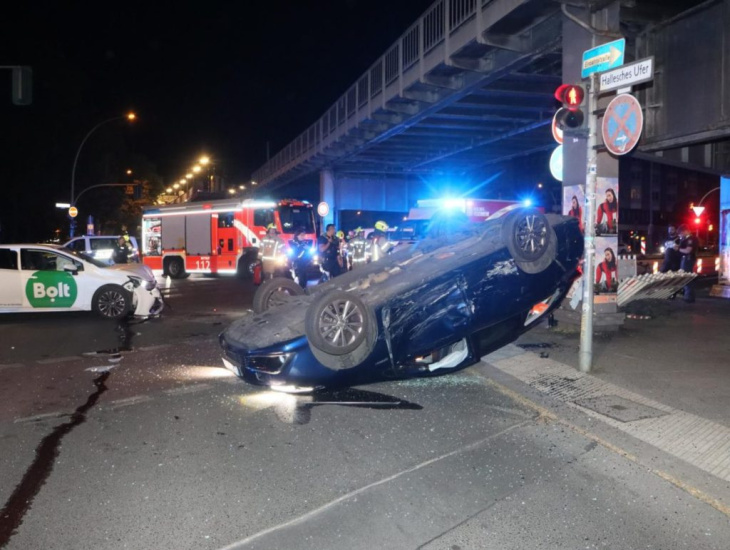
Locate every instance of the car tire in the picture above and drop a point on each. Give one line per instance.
(176, 269)
(530, 240)
(348, 310)
(112, 302)
(268, 294)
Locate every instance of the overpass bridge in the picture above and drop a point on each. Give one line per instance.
(470, 86)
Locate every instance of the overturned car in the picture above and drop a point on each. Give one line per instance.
(430, 308)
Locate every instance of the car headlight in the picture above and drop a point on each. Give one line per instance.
(150, 285)
(134, 282)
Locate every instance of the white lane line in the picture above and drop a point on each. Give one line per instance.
(129, 401)
(52, 360)
(56, 414)
(188, 389)
(347, 496)
(11, 366)
(154, 348)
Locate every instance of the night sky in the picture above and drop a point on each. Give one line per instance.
(221, 78)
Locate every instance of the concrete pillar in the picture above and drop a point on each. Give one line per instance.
(327, 194)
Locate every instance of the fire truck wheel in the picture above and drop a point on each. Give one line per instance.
(246, 266)
(176, 268)
(275, 292)
(341, 330)
(530, 240)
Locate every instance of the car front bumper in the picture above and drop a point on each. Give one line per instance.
(147, 302)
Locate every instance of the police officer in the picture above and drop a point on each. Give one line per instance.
(300, 249)
(271, 251)
(688, 249)
(358, 249)
(121, 251)
(329, 248)
(379, 244)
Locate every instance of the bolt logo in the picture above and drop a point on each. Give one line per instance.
(51, 289)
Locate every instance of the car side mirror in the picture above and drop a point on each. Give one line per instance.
(72, 269)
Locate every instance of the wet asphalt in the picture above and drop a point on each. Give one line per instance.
(143, 441)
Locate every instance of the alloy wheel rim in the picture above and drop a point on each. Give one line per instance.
(531, 235)
(112, 304)
(341, 323)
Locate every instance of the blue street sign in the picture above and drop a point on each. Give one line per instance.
(602, 58)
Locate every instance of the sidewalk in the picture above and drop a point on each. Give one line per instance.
(664, 381)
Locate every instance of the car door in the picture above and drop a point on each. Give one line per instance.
(11, 295)
(45, 281)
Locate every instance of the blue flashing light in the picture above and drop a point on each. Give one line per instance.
(527, 202)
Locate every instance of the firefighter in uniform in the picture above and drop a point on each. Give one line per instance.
(358, 249)
(379, 244)
(344, 251)
(271, 251)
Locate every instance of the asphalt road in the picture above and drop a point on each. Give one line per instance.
(144, 441)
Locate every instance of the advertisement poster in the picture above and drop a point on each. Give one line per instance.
(607, 206)
(574, 202)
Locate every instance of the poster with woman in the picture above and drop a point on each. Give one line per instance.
(574, 202)
(606, 281)
(607, 206)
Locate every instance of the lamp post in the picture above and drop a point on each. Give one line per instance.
(128, 116)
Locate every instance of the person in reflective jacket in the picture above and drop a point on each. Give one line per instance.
(271, 251)
(358, 249)
(379, 243)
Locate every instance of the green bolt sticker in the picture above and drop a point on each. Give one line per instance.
(51, 289)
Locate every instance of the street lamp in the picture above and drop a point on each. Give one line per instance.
(204, 160)
(196, 168)
(130, 117)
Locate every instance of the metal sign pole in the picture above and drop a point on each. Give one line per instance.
(586, 324)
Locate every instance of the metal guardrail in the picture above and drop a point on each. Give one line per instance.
(431, 40)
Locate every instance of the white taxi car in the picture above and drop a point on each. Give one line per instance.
(36, 277)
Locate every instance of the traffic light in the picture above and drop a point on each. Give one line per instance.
(570, 116)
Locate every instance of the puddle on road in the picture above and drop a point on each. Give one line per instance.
(297, 409)
(46, 453)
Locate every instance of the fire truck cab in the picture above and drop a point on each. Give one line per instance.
(219, 236)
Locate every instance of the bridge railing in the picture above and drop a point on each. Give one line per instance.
(423, 46)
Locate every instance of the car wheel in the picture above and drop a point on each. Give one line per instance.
(341, 330)
(275, 292)
(112, 302)
(530, 240)
(176, 268)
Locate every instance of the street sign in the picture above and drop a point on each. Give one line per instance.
(556, 163)
(627, 75)
(323, 209)
(602, 58)
(557, 131)
(73, 212)
(622, 124)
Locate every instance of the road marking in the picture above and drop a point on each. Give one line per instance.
(154, 348)
(312, 513)
(129, 401)
(57, 414)
(188, 389)
(11, 366)
(52, 360)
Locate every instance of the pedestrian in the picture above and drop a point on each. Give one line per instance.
(608, 269)
(379, 244)
(609, 209)
(688, 250)
(328, 246)
(299, 258)
(343, 257)
(358, 249)
(121, 251)
(271, 251)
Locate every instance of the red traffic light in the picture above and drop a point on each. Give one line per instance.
(698, 221)
(570, 95)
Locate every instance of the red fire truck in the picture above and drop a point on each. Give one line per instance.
(219, 236)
